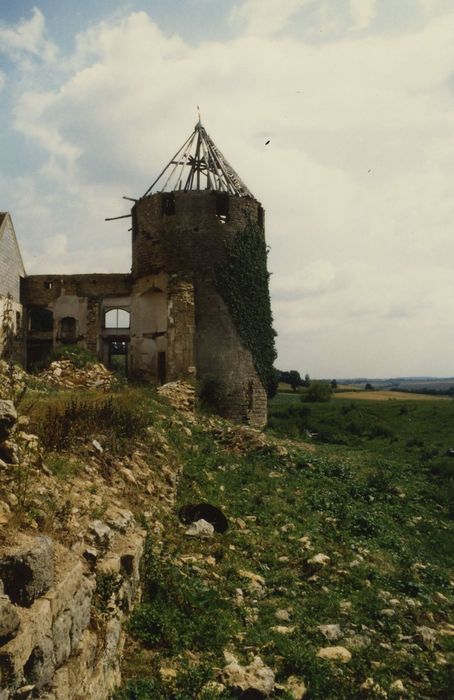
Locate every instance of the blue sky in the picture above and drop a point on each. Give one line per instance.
(357, 100)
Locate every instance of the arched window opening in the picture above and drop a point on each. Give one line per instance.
(68, 330)
(116, 318)
(41, 320)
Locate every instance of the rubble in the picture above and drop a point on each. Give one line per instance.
(254, 677)
(201, 529)
(65, 375)
(180, 395)
(8, 419)
(13, 380)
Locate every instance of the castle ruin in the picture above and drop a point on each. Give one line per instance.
(167, 319)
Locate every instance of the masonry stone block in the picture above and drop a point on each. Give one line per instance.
(8, 418)
(9, 620)
(27, 575)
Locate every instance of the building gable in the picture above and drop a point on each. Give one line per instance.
(11, 265)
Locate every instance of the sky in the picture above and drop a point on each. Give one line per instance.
(356, 99)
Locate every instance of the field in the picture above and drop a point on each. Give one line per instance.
(385, 395)
(342, 539)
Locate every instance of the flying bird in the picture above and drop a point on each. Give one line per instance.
(267, 142)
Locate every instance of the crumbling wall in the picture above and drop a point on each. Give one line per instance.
(187, 239)
(78, 296)
(52, 645)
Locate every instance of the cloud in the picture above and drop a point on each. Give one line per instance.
(362, 12)
(27, 36)
(265, 17)
(356, 180)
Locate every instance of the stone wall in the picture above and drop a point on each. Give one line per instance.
(81, 297)
(53, 643)
(184, 234)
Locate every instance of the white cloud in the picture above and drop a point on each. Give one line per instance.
(265, 17)
(356, 180)
(28, 36)
(362, 12)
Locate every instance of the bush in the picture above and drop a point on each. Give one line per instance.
(212, 394)
(80, 357)
(318, 391)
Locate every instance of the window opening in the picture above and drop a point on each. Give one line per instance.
(222, 206)
(118, 357)
(117, 318)
(167, 204)
(162, 367)
(260, 216)
(68, 330)
(48, 285)
(41, 320)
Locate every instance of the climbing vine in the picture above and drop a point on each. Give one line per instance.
(242, 281)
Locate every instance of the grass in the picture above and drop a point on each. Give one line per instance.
(375, 505)
(61, 419)
(385, 395)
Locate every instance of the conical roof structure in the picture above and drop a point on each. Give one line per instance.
(199, 165)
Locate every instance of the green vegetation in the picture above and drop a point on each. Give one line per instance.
(80, 357)
(242, 282)
(212, 394)
(317, 392)
(375, 506)
(117, 418)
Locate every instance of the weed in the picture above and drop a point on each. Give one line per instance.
(107, 585)
(59, 428)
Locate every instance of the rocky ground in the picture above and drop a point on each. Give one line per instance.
(269, 568)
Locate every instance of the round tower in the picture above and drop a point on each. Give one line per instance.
(181, 237)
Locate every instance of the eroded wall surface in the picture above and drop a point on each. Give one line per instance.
(183, 234)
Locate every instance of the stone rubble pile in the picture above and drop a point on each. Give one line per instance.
(65, 375)
(11, 378)
(180, 395)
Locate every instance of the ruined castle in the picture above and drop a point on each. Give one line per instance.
(167, 319)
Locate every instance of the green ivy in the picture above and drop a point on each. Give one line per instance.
(242, 282)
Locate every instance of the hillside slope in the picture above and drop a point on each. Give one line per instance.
(334, 578)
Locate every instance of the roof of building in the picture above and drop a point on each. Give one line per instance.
(199, 165)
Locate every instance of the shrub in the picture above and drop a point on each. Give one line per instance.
(80, 357)
(317, 391)
(212, 394)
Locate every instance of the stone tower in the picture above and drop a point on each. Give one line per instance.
(180, 323)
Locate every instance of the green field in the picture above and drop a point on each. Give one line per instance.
(421, 429)
(373, 492)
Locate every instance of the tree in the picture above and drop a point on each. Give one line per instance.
(334, 385)
(295, 380)
(273, 383)
(307, 380)
(368, 387)
(318, 391)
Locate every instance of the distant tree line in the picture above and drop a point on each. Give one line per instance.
(312, 390)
